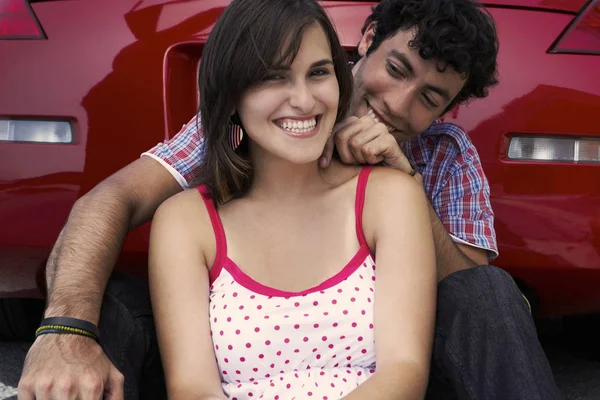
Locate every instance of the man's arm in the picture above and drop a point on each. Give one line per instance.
(450, 256)
(69, 366)
(89, 244)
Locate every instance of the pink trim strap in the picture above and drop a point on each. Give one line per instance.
(249, 283)
(359, 204)
(218, 229)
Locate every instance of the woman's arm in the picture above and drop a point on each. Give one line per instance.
(179, 286)
(397, 226)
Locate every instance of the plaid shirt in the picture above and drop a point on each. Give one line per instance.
(444, 155)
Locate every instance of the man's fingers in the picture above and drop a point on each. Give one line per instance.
(26, 389)
(114, 388)
(365, 141)
(66, 367)
(385, 148)
(65, 388)
(91, 387)
(358, 142)
(341, 144)
(371, 158)
(372, 151)
(344, 136)
(114, 394)
(333, 142)
(43, 388)
(327, 153)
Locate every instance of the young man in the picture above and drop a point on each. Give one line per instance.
(418, 58)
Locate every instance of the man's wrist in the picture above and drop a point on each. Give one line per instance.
(69, 325)
(83, 313)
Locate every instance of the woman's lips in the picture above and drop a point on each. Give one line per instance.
(296, 127)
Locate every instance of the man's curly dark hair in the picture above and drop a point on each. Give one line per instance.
(459, 33)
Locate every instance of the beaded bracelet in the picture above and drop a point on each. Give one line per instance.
(65, 325)
(42, 330)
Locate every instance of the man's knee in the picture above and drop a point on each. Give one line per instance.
(477, 283)
(481, 292)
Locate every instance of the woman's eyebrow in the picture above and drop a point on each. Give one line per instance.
(322, 62)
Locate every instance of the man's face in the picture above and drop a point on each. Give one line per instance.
(399, 88)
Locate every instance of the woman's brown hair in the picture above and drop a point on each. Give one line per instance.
(246, 43)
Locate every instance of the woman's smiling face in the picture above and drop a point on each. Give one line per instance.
(291, 114)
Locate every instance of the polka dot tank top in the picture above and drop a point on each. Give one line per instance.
(272, 344)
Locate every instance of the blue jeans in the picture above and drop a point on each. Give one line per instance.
(485, 345)
(128, 337)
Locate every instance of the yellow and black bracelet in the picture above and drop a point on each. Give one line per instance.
(65, 325)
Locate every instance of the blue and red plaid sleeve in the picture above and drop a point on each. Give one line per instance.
(455, 183)
(463, 204)
(183, 154)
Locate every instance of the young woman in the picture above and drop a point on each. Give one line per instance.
(264, 282)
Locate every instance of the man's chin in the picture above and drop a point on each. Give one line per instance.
(402, 136)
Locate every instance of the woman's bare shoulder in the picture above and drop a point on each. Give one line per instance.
(338, 174)
(391, 195)
(381, 179)
(386, 182)
(184, 219)
(185, 212)
(182, 204)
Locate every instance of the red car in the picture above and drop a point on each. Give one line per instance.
(86, 86)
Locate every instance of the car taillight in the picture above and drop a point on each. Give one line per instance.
(17, 21)
(553, 149)
(35, 131)
(582, 36)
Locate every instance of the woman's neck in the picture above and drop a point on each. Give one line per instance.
(278, 178)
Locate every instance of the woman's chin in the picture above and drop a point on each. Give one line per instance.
(302, 158)
(305, 160)
(303, 154)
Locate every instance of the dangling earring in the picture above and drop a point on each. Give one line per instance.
(236, 134)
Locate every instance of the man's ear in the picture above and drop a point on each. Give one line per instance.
(366, 40)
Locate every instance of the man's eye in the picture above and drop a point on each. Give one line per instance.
(394, 71)
(429, 102)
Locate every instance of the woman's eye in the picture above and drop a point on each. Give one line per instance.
(319, 72)
(273, 77)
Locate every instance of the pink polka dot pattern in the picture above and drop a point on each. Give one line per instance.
(318, 344)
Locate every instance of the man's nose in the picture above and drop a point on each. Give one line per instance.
(301, 97)
(399, 103)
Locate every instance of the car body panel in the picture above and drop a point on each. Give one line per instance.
(547, 214)
(571, 6)
(124, 73)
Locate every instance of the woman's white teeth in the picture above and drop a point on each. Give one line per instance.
(299, 126)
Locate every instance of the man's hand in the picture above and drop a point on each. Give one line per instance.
(61, 367)
(364, 141)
